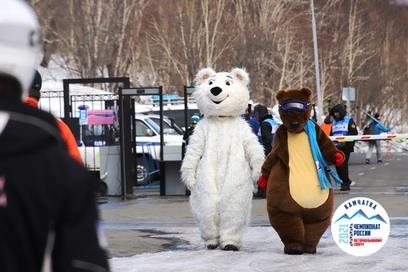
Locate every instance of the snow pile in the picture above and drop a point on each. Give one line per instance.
(56, 71)
(52, 86)
(263, 251)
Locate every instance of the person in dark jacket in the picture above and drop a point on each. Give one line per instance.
(250, 117)
(48, 212)
(266, 132)
(343, 125)
(267, 128)
(193, 122)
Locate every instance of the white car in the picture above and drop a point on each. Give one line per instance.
(147, 146)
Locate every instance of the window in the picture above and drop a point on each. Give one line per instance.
(142, 129)
(167, 128)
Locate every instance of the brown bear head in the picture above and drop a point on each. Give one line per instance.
(294, 108)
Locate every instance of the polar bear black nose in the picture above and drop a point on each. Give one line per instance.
(216, 91)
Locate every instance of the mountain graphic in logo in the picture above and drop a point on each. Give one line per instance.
(361, 213)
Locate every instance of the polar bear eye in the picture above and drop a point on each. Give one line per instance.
(210, 82)
(228, 82)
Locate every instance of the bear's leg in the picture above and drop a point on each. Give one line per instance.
(316, 221)
(235, 209)
(207, 217)
(290, 229)
(210, 233)
(209, 229)
(313, 233)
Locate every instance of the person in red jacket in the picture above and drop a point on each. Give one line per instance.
(68, 138)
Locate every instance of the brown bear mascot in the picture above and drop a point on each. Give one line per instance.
(299, 194)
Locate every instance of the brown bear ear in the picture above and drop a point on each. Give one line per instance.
(280, 95)
(306, 92)
(204, 74)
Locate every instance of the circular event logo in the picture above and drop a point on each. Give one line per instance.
(360, 226)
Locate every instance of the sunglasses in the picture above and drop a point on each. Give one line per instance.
(294, 104)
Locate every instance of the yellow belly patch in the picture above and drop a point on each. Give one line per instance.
(304, 183)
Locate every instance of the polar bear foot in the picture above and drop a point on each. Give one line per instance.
(230, 248)
(293, 249)
(212, 244)
(211, 247)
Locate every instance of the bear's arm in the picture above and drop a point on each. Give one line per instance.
(254, 151)
(279, 152)
(194, 152)
(327, 147)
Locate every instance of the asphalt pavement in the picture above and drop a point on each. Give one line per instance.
(131, 226)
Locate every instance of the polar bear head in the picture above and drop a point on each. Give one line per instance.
(223, 93)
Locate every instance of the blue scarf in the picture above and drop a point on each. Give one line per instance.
(321, 164)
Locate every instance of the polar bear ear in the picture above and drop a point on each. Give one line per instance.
(204, 74)
(241, 75)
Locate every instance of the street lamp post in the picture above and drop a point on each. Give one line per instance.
(316, 61)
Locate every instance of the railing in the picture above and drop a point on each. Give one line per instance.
(369, 137)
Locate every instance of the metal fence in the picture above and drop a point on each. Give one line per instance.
(89, 137)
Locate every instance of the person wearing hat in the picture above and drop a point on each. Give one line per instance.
(68, 138)
(195, 118)
(374, 127)
(327, 124)
(48, 212)
(343, 125)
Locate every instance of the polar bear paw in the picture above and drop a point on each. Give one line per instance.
(230, 248)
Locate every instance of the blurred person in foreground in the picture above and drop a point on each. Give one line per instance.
(34, 96)
(343, 125)
(48, 212)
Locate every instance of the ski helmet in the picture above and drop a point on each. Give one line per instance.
(20, 42)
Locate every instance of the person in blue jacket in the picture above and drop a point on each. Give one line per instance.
(250, 117)
(343, 125)
(374, 127)
(266, 133)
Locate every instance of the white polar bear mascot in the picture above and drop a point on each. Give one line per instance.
(223, 159)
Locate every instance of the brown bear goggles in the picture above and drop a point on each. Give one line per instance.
(294, 104)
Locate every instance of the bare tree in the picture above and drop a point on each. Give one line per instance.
(356, 51)
(191, 38)
(362, 43)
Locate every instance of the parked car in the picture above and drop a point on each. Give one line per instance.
(170, 125)
(147, 145)
(173, 111)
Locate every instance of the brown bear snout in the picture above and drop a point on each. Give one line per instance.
(294, 125)
(294, 121)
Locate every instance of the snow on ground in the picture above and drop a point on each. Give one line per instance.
(263, 251)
